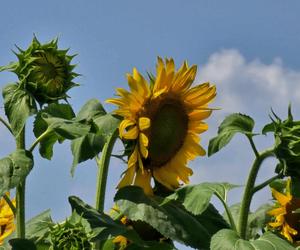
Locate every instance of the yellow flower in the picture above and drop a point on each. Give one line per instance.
(163, 120)
(7, 225)
(286, 220)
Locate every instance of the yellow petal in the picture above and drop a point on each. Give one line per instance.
(132, 133)
(144, 123)
(281, 198)
(143, 180)
(133, 157)
(167, 178)
(143, 141)
(127, 178)
(277, 211)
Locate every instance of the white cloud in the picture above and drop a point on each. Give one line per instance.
(245, 86)
(250, 87)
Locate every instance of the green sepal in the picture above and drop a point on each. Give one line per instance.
(232, 124)
(18, 105)
(14, 168)
(170, 219)
(227, 239)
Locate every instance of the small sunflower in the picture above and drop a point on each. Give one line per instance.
(44, 71)
(7, 225)
(286, 218)
(162, 121)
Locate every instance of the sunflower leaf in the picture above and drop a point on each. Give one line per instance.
(170, 219)
(196, 198)
(102, 225)
(19, 105)
(232, 124)
(227, 239)
(14, 168)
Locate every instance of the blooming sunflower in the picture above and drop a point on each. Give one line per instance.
(286, 220)
(162, 120)
(7, 225)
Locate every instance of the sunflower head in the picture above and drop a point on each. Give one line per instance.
(45, 71)
(287, 144)
(7, 225)
(162, 120)
(74, 234)
(286, 214)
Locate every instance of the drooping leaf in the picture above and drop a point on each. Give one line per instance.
(152, 246)
(107, 124)
(196, 198)
(86, 147)
(38, 227)
(90, 110)
(170, 218)
(102, 126)
(232, 124)
(60, 119)
(227, 239)
(14, 168)
(19, 105)
(102, 225)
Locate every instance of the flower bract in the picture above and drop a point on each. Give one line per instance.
(162, 120)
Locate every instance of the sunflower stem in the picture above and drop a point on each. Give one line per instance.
(266, 183)
(37, 141)
(6, 124)
(248, 192)
(103, 164)
(228, 212)
(20, 193)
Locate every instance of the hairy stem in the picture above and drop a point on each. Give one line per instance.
(265, 183)
(228, 212)
(41, 137)
(20, 193)
(6, 124)
(103, 164)
(248, 193)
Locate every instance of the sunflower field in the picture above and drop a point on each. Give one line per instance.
(159, 120)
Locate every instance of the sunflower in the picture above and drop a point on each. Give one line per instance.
(162, 120)
(286, 218)
(7, 225)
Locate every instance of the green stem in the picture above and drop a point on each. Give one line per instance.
(6, 124)
(248, 193)
(103, 164)
(20, 193)
(228, 212)
(10, 204)
(41, 137)
(253, 145)
(265, 183)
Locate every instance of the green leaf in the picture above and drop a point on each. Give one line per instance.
(38, 227)
(90, 110)
(170, 219)
(102, 225)
(152, 246)
(22, 244)
(196, 198)
(14, 169)
(60, 119)
(268, 128)
(86, 147)
(227, 239)
(232, 124)
(19, 105)
(107, 124)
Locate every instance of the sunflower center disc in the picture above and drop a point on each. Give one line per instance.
(46, 67)
(167, 134)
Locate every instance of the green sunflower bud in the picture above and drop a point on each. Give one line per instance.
(74, 234)
(44, 71)
(287, 144)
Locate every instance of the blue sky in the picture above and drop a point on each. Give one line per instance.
(250, 50)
